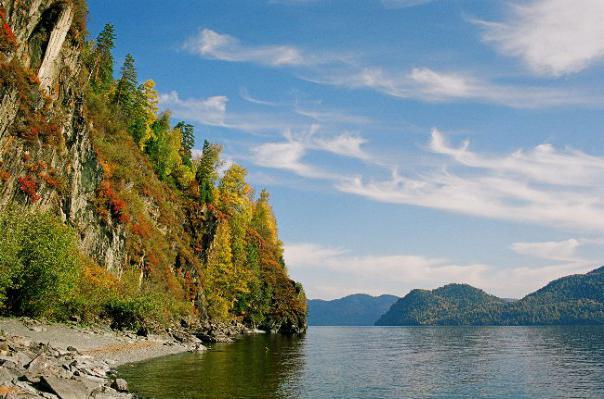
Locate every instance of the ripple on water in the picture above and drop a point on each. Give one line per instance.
(387, 363)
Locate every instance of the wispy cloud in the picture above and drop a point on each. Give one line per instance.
(213, 45)
(399, 273)
(552, 250)
(543, 185)
(420, 83)
(209, 111)
(429, 85)
(345, 144)
(213, 111)
(244, 94)
(552, 37)
(518, 187)
(404, 3)
(542, 164)
(288, 154)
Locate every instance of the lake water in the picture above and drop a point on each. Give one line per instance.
(375, 362)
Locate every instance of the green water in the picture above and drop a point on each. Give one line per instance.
(375, 362)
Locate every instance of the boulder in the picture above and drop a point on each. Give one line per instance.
(64, 388)
(120, 385)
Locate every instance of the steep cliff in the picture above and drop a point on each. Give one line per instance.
(46, 156)
(66, 147)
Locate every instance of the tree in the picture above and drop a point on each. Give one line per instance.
(144, 113)
(207, 171)
(101, 70)
(234, 192)
(264, 222)
(163, 147)
(188, 141)
(235, 201)
(222, 285)
(126, 92)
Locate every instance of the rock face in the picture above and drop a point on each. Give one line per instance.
(53, 157)
(36, 370)
(63, 176)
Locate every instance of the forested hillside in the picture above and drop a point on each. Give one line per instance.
(351, 310)
(576, 299)
(105, 212)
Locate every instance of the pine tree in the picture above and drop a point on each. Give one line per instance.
(126, 92)
(101, 70)
(188, 141)
(206, 171)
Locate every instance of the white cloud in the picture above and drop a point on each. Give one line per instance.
(288, 154)
(552, 250)
(345, 144)
(542, 164)
(213, 45)
(425, 84)
(285, 155)
(398, 274)
(552, 37)
(213, 111)
(519, 187)
(244, 94)
(209, 111)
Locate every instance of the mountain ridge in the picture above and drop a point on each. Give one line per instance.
(351, 310)
(572, 299)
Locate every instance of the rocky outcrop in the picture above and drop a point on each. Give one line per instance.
(37, 370)
(49, 360)
(63, 176)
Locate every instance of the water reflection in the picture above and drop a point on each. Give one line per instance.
(254, 367)
(439, 362)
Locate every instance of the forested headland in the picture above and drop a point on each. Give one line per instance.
(107, 212)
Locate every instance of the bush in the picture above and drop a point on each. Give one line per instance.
(130, 313)
(40, 263)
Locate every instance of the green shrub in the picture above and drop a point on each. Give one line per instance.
(40, 263)
(11, 228)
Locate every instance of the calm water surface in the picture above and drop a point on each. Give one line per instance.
(375, 362)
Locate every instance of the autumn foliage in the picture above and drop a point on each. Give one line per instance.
(29, 187)
(8, 40)
(197, 241)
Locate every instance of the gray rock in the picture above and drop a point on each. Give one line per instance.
(65, 389)
(120, 385)
(7, 375)
(19, 342)
(40, 364)
(108, 393)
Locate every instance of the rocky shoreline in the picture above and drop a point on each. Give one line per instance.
(67, 361)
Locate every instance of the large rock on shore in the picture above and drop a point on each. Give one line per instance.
(37, 370)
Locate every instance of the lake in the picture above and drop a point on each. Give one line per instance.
(386, 362)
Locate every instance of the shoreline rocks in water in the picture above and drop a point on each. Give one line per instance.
(39, 360)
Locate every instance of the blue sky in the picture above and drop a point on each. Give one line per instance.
(405, 143)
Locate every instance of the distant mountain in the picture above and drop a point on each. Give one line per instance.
(352, 310)
(576, 299)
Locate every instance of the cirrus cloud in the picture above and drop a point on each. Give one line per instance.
(551, 37)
